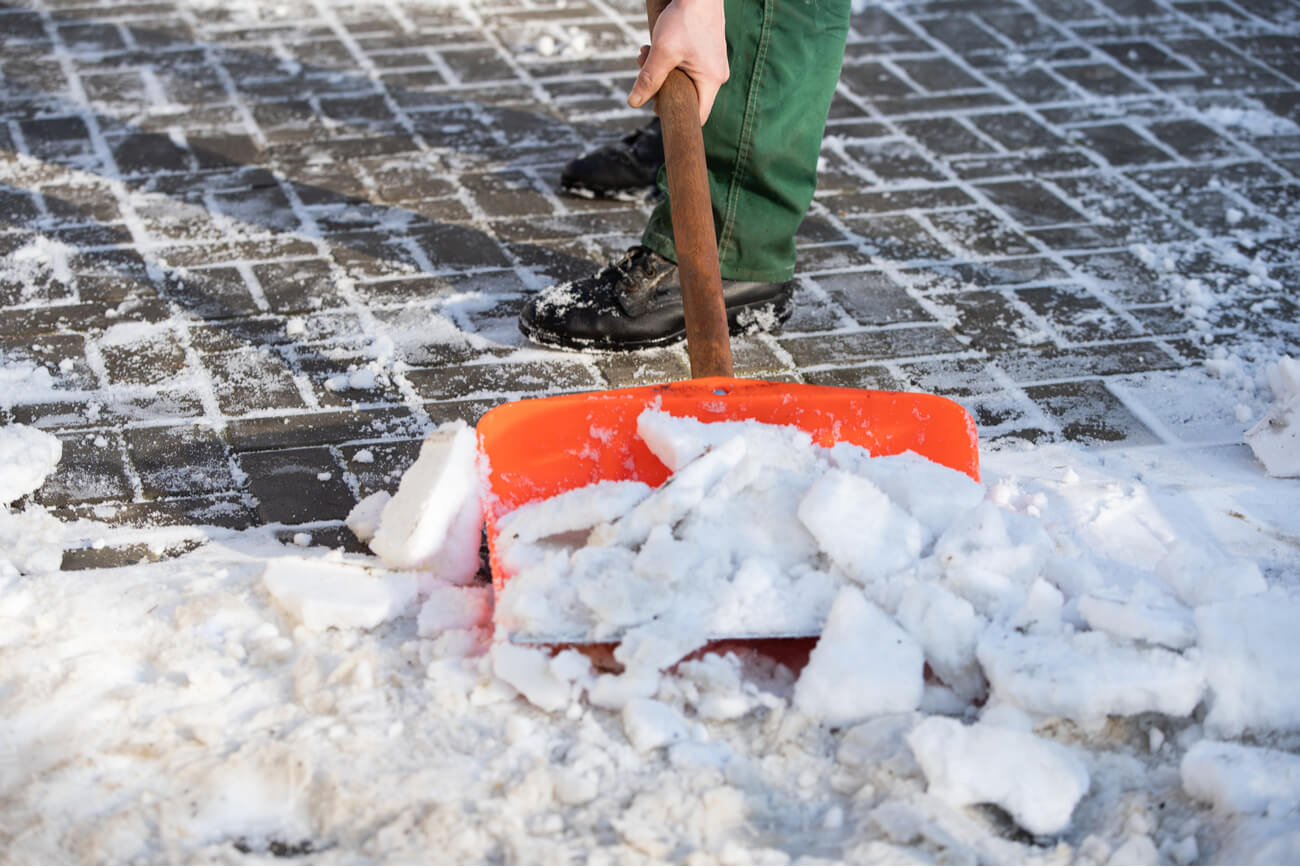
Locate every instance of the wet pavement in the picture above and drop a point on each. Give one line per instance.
(263, 248)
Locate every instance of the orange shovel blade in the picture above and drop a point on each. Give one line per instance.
(539, 448)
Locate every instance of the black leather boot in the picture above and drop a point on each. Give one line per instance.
(626, 168)
(636, 303)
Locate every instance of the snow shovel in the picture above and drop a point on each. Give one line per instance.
(541, 447)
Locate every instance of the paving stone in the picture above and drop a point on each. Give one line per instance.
(112, 557)
(1076, 314)
(870, 345)
(472, 380)
(228, 511)
(1194, 141)
(297, 486)
(871, 376)
(643, 368)
(1123, 276)
(898, 238)
(1030, 204)
(872, 298)
(1087, 412)
(991, 320)
(246, 381)
(384, 466)
(1120, 145)
(299, 286)
(326, 427)
(91, 470)
(1047, 364)
(979, 233)
(951, 377)
(175, 461)
(149, 360)
(894, 160)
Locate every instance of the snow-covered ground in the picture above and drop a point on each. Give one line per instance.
(1111, 666)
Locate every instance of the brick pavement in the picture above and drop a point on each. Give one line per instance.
(264, 247)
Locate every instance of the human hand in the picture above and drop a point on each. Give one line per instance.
(690, 34)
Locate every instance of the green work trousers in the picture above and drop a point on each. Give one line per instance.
(763, 137)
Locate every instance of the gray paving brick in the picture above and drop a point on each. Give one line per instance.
(1088, 412)
(472, 380)
(870, 345)
(180, 460)
(872, 298)
(297, 486)
(92, 470)
(326, 427)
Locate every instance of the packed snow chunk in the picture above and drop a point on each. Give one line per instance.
(865, 533)
(947, 628)
(1088, 676)
(454, 608)
(932, 493)
(1037, 781)
(864, 665)
(1200, 576)
(1241, 779)
(1146, 613)
(1252, 661)
(676, 440)
(991, 556)
(364, 518)
(529, 671)
(31, 542)
(337, 595)
(1275, 440)
(27, 456)
(651, 724)
(578, 509)
(434, 522)
(684, 491)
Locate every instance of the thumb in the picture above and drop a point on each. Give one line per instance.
(654, 70)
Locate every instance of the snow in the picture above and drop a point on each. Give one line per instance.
(1240, 779)
(864, 665)
(1256, 634)
(1037, 781)
(322, 595)
(1275, 439)
(27, 456)
(434, 520)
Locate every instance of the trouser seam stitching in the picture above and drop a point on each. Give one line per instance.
(746, 138)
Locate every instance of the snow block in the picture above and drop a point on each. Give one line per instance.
(322, 595)
(1241, 779)
(1088, 676)
(27, 456)
(1252, 662)
(1037, 781)
(434, 521)
(529, 671)
(864, 665)
(881, 539)
(651, 724)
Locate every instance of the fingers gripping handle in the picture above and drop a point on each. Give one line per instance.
(708, 341)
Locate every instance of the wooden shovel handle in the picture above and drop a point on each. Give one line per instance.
(708, 340)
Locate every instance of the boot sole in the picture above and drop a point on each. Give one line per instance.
(752, 318)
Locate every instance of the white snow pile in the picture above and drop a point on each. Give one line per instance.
(901, 566)
(1275, 440)
(1066, 643)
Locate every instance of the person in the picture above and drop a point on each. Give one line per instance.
(765, 72)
